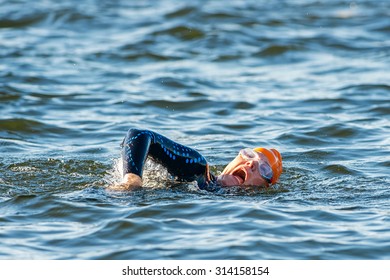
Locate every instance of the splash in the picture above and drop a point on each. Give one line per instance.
(154, 175)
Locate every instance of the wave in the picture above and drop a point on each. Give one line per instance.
(22, 126)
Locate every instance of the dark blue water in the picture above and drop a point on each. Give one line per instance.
(310, 78)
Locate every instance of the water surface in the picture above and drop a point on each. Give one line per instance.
(310, 78)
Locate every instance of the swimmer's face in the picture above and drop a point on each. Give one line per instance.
(242, 171)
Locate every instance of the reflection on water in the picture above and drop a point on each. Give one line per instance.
(307, 77)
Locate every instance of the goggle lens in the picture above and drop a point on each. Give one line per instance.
(249, 154)
(264, 169)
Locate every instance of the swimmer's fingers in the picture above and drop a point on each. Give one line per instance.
(130, 182)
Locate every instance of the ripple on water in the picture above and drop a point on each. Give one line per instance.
(181, 32)
(39, 176)
(5, 96)
(310, 79)
(21, 20)
(29, 127)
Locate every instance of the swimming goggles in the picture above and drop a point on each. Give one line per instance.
(264, 169)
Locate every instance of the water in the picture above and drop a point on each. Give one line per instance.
(310, 78)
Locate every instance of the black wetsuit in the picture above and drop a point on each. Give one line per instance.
(182, 162)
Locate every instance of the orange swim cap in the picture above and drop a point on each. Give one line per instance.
(275, 161)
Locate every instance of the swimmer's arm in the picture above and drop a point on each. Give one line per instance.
(181, 161)
(135, 150)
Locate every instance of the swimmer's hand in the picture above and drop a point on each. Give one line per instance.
(130, 182)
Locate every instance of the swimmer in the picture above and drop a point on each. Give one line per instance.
(251, 167)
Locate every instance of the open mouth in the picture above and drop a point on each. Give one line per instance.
(240, 175)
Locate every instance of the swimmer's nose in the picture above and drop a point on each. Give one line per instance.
(251, 165)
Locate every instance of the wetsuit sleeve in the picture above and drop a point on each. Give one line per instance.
(181, 161)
